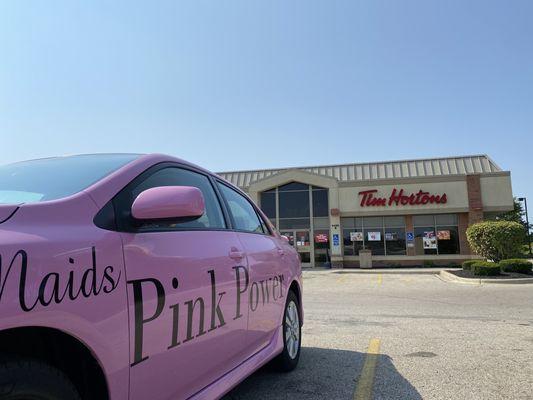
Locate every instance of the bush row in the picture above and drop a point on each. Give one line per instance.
(516, 265)
(485, 268)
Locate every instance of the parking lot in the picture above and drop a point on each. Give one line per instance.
(433, 340)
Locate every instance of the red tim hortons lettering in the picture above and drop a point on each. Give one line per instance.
(399, 197)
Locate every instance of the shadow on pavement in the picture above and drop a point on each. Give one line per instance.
(324, 374)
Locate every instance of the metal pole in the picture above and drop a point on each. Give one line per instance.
(524, 199)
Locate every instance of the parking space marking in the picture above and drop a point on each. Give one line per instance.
(380, 279)
(366, 379)
(342, 279)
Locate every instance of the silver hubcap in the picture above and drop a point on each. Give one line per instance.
(292, 330)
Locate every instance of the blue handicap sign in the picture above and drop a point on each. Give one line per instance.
(335, 239)
(410, 236)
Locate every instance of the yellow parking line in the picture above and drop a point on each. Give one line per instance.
(341, 279)
(366, 379)
(380, 279)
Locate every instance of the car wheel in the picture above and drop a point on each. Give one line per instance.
(27, 379)
(292, 335)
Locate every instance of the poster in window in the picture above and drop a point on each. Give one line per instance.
(374, 236)
(443, 235)
(356, 236)
(391, 236)
(321, 238)
(430, 241)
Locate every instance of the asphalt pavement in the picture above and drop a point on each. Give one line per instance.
(406, 335)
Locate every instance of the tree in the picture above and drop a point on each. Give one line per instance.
(516, 215)
(496, 240)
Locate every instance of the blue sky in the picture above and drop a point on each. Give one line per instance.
(258, 84)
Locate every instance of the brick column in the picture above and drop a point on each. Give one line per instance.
(409, 228)
(475, 202)
(463, 241)
(475, 211)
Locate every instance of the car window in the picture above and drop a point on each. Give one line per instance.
(172, 176)
(243, 213)
(48, 179)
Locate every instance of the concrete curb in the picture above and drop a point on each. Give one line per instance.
(310, 269)
(396, 271)
(449, 277)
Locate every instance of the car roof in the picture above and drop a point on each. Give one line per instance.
(106, 188)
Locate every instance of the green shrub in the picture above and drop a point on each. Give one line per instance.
(484, 268)
(516, 265)
(429, 264)
(394, 265)
(467, 265)
(496, 240)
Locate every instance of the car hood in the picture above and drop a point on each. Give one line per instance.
(7, 211)
(74, 210)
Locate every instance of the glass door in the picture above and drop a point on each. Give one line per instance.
(321, 241)
(289, 235)
(300, 240)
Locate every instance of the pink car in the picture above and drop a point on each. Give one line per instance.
(138, 277)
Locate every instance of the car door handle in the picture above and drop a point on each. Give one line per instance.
(281, 252)
(236, 254)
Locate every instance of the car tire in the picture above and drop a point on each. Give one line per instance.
(292, 335)
(32, 379)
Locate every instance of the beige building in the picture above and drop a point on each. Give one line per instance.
(401, 212)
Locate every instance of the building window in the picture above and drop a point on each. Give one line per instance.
(436, 234)
(294, 204)
(291, 206)
(373, 235)
(294, 223)
(320, 202)
(268, 204)
(293, 186)
(395, 236)
(301, 212)
(382, 235)
(352, 232)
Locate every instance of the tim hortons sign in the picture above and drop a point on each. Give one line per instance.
(400, 197)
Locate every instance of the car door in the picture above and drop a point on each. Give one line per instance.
(187, 325)
(267, 287)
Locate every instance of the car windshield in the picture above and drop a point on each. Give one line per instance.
(54, 178)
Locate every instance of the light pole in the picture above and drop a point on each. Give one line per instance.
(527, 222)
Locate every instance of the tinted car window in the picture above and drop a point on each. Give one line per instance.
(212, 217)
(243, 213)
(54, 178)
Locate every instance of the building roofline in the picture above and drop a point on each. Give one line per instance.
(366, 163)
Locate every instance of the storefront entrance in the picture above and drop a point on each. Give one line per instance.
(300, 211)
(300, 240)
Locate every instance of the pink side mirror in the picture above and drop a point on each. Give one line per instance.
(168, 202)
(285, 238)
